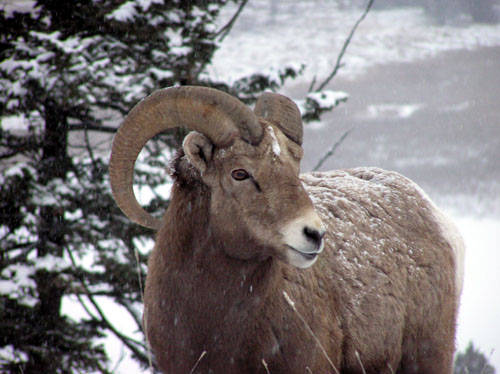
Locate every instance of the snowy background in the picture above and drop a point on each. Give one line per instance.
(423, 100)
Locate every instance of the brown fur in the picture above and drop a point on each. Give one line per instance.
(383, 289)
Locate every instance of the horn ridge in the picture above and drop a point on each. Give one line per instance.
(216, 114)
(282, 112)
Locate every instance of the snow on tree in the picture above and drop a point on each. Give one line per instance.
(472, 361)
(69, 73)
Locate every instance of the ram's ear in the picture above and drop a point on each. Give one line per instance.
(198, 149)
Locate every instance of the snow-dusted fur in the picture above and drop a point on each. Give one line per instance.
(382, 297)
(397, 264)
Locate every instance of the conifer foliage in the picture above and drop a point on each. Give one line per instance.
(472, 361)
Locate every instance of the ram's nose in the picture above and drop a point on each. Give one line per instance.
(303, 238)
(315, 236)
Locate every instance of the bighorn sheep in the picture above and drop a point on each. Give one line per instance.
(230, 286)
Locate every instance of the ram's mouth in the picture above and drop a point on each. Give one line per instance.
(307, 255)
(301, 259)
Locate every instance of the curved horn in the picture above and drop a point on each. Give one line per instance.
(213, 113)
(282, 112)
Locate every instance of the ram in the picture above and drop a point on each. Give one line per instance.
(230, 285)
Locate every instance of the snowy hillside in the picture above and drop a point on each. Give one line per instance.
(312, 33)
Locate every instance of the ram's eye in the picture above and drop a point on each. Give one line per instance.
(240, 174)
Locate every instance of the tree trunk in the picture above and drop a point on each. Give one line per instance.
(54, 164)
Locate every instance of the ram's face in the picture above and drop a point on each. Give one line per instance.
(257, 198)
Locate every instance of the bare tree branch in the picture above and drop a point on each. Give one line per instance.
(89, 148)
(332, 150)
(90, 126)
(311, 86)
(338, 63)
(219, 35)
(224, 31)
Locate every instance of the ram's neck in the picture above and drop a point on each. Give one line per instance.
(198, 298)
(185, 223)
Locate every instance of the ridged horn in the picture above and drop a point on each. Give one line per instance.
(282, 112)
(217, 115)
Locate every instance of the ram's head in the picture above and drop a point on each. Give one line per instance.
(247, 161)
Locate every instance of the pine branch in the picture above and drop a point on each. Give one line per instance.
(109, 105)
(17, 144)
(130, 343)
(10, 154)
(89, 126)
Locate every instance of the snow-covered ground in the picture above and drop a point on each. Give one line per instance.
(480, 306)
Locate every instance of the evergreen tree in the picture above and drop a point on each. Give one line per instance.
(472, 361)
(69, 73)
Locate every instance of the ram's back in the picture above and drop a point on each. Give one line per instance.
(390, 251)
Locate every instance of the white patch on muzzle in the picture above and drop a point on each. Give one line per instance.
(303, 238)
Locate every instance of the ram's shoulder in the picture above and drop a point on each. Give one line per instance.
(359, 183)
(364, 196)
